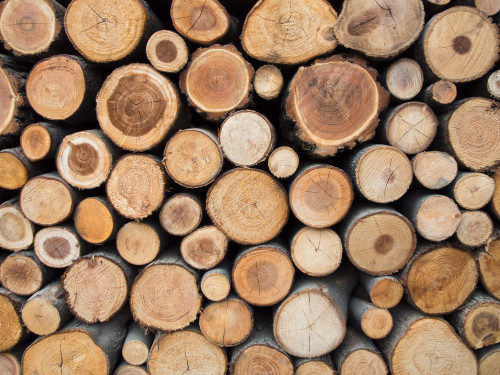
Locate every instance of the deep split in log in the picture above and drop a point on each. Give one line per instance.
(283, 162)
(268, 82)
(434, 169)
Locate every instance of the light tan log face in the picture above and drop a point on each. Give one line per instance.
(437, 218)
(138, 243)
(215, 286)
(268, 82)
(404, 79)
(473, 191)
(434, 169)
(283, 162)
(277, 33)
(248, 205)
(439, 351)
(94, 220)
(314, 367)
(473, 38)
(324, 101)
(137, 106)
(72, 351)
(16, 231)
(490, 363)
(320, 196)
(35, 142)
(177, 352)
(489, 266)
(181, 214)
(12, 330)
(57, 247)
(204, 248)
(475, 228)
(262, 359)
(21, 274)
(363, 362)
(386, 293)
(377, 30)
(10, 364)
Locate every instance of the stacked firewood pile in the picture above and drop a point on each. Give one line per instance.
(270, 187)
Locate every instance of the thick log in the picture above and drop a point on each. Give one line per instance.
(32, 28)
(410, 127)
(472, 191)
(193, 157)
(181, 214)
(283, 162)
(202, 22)
(320, 195)
(358, 355)
(58, 246)
(434, 169)
(474, 39)
(475, 228)
(381, 173)
(489, 266)
(439, 278)
(41, 140)
(404, 79)
(471, 133)
(165, 294)
(217, 80)
(85, 159)
(248, 205)
(135, 349)
(380, 31)
(95, 220)
(323, 110)
(374, 322)
(378, 240)
(137, 106)
(64, 87)
(260, 351)
(440, 94)
(15, 112)
(419, 344)
(167, 51)
(126, 369)
(314, 366)
(97, 285)
(263, 275)
(316, 252)
(139, 243)
(228, 322)
(489, 360)
(46, 311)
(79, 347)
(136, 185)
(477, 321)
(16, 231)
(12, 329)
(435, 217)
(384, 291)
(268, 82)
(177, 353)
(204, 248)
(23, 274)
(311, 321)
(106, 31)
(247, 138)
(216, 283)
(277, 33)
(15, 169)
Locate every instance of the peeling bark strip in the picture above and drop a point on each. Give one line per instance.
(333, 104)
(380, 28)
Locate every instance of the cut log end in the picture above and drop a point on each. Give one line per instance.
(275, 33)
(165, 296)
(342, 120)
(268, 82)
(283, 162)
(489, 363)
(181, 214)
(489, 266)
(473, 191)
(411, 127)
(437, 218)
(404, 79)
(135, 352)
(493, 84)
(261, 356)
(226, 323)
(200, 21)
(16, 231)
(36, 142)
(480, 47)
(193, 158)
(248, 216)
(495, 200)
(204, 248)
(386, 293)
(12, 329)
(128, 369)
(363, 361)
(21, 274)
(12, 84)
(475, 228)
(136, 185)
(376, 323)
(434, 169)
(316, 252)
(138, 243)
(217, 80)
(94, 220)
(481, 325)
(137, 106)
(40, 317)
(215, 286)
(263, 275)
(167, 51)
(472, 132)
(13, 170)
(173, 353)
(246, 137)
(321, 195)
(10, 364)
